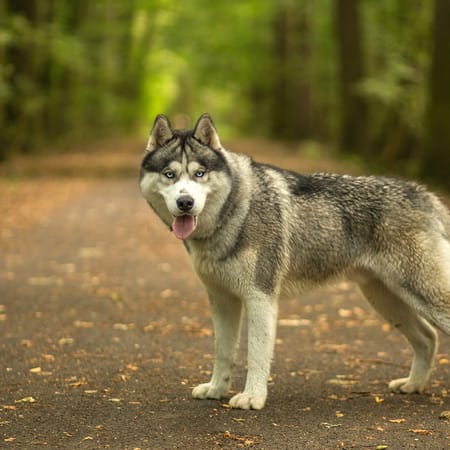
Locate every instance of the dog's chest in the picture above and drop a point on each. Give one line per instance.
(206, 264)
(218, 273)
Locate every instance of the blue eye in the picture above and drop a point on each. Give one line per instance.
(199, 173)
(169, 174)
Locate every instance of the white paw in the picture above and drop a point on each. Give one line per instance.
(406, 386)
(248, 401)
(207, 390)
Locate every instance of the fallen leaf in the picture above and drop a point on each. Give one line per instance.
(397, 420)
(73, 382)
(66, 341)
(123, 326)
(90, 252)
(26, 400)
(116, 297)
(35, 370)
(294, 322)
(168, 293)
(345, 313)
(334, 348)
(444, 415)
(83, 324)
(341, 382)
(9, 439)
(198, 331)
(420, 431)
(381, 447)
(26, 343)
(330, 425)
(45, 281)
(245, 441)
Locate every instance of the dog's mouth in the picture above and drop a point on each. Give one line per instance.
(184, 226)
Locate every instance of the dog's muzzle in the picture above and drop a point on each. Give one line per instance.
(184, 225)
(185, 203)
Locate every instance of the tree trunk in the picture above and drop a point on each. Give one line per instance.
(19, 132)
(3, 143)
(280, 28)
(291, 109)
(353, 119)
(436, 154)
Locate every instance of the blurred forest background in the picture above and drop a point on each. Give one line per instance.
(367, 78)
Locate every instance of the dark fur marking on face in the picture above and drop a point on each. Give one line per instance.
(160, 158)
(208, 157)
(183, 143)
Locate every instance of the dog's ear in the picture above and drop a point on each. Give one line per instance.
(206, 133)
(160, 134)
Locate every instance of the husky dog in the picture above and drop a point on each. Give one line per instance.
(255, 232)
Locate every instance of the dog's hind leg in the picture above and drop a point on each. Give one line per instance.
(420, 334)
(226, 315)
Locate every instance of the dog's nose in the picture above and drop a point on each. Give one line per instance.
(185, 203)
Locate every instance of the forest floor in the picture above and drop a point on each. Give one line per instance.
(105, 330)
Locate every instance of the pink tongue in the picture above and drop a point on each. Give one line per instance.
(183, 226)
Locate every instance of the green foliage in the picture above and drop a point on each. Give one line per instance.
(398, 54)
(67, 71)
(206, 56)
(74, 70)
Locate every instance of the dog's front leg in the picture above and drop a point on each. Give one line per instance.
(262, 319)
(226, 315)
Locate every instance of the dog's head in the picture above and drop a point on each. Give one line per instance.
(181, 172)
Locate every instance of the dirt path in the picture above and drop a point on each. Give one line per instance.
(104, 331)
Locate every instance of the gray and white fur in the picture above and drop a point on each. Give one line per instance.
(256, 233)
